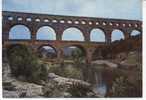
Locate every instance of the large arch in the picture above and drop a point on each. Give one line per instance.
(135, 33)
(46, 33)
(19, 32)
(72, 34)
(47, 51)
(97, 35)
(70, 52)
(117, 35)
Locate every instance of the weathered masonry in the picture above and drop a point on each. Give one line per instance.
(60, 23)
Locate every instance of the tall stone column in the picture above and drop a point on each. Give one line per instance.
(89, 56)
(86, 37)
(108, 34)
(127, 34)
(59, 55)
(58, 36)
(5, 30)
(59, 32)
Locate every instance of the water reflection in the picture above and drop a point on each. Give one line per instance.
(94, 76)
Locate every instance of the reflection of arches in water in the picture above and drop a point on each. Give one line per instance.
(19, 32)
(135, 33)
(46, 33)
(117, 35)
(70, 52)
(97, 35)
(72, 34)
(47, 52)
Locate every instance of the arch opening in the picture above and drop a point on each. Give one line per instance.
(97, 35)
(135, 33)
(117, 35)
(19, 32)
(47, 52)
(46, 33)
(72, 34)
(73, 53)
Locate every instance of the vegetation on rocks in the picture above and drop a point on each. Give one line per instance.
(25, 64)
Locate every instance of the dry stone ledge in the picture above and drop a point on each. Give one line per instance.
(66, 81)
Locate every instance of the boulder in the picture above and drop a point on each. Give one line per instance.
(10, 94)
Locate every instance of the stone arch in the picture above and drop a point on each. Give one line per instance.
(117, 34)
(135, 33)
(73, 34)
(46, 33)
(97, 35)
(69, 49)
(19, 32)
(47, 51)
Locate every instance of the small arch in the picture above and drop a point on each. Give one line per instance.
(97, 35)
(19, 18)
(76, 22)
(83, 22)
(72, 34)
(28, 19)
(37, 20)
(10, 18)
(117, 35)
(54, 21)
(62, 21)
(90, 22)
(97, 23)
(69, 22)
(46, 33)
(19, 32)
(135, 33)
(47, 52)
(46, 20)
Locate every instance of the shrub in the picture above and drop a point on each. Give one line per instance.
(23, 62)
(122, 88)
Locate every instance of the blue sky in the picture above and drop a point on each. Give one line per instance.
(121, 9)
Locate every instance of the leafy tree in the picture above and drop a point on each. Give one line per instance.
(23, 62)
(77, 56)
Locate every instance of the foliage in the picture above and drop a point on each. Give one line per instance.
(66, 71)
(78, 56)
(78, 90)
(122, 88)
(24, 63)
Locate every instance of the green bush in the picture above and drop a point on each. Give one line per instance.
(23, 62)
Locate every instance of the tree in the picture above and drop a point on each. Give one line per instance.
(77, 56)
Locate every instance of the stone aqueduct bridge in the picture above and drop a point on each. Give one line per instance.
(61, 23)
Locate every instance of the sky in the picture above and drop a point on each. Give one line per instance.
(121, 9)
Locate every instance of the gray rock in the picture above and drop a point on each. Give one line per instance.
(10, 94)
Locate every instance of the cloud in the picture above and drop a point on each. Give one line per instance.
(126, 9)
